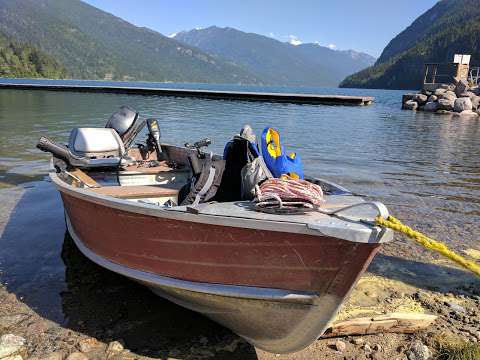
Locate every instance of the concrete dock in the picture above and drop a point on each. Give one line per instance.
(296, 98)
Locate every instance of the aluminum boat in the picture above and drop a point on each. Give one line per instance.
(276, 280)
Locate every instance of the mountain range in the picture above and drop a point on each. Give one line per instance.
(450, 27)
(276, 62)
(89, 43)
(92, 44)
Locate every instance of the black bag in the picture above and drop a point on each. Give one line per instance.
(204, 185)
(236, 157)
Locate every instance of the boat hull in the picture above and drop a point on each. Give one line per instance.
(275, 320)
(277, 289)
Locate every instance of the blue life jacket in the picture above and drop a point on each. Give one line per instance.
(274, 155)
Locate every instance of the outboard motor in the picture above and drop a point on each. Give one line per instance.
(99, 147)
(126, 123)
(89, 148)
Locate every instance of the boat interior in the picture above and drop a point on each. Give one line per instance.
(126, 160)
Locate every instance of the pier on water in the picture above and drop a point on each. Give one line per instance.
(296, 98)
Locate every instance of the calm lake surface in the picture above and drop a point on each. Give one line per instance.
(425, 167)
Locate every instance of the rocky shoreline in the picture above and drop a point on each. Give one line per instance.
(451, 99)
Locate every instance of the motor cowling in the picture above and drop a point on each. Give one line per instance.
(96, 143)
(122, 120)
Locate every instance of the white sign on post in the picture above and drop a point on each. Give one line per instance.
(461, 59)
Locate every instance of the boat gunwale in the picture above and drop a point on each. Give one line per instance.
(369, 235)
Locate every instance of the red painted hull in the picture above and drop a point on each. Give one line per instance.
(216, 254)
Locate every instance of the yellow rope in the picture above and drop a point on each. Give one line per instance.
(428, 243)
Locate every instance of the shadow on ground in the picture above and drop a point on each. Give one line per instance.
(426, 276)
(109, 307)
(84, 297)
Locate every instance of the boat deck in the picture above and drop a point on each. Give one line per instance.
(351, 221)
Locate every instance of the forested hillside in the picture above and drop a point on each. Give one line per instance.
(23, 60)
(450, 27)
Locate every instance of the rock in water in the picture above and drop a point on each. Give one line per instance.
(450, 95)
(445, 104)
(467, 113)
(430, 106)
(407, 97)
(440, 92)
(419, 351)
(432, 98)
(421, 99)
(445, 112)
(475, 102)
(461, 87)
(462, 104)
(410, 105)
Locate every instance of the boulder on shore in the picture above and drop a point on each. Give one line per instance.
(410, 105)
(432, 98)
(462, 104)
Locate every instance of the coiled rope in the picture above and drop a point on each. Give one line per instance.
(427, 242)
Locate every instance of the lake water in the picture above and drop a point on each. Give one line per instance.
(425, 167)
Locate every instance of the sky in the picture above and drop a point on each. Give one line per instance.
(362, 25)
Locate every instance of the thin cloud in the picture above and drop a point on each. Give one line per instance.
(294, 40)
